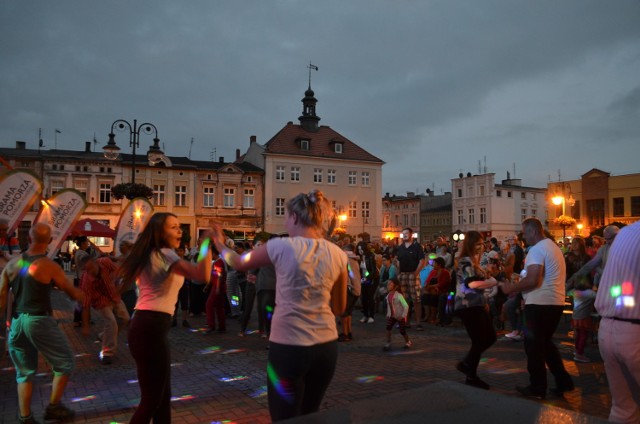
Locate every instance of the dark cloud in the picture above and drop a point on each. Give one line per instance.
(431, 86)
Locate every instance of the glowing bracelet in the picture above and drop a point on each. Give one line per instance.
(204, 246)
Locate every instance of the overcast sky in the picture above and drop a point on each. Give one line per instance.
(430, 87)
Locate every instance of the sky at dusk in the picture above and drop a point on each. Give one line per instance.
(433, 88)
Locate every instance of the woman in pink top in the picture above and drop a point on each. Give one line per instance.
(159, 273)
(311, 290)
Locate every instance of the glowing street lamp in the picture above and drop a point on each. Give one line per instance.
(343, 220)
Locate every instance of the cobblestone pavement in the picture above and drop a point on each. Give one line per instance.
(221, 377)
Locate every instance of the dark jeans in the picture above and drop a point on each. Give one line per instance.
(149, 345)
(366, 297)
(266, 308)
(249, 297)
(444, 317)
(298, 377)
(197, 298)
(540, 322)
(479, 326)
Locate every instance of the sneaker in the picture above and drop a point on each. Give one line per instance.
(386, 347)
(363, 320)
(529, 393)
(513, 334)
(370, 320)
(27, 420)
(343, 338)
(408, 344)
(581, 358)
(476, 382)
(186, 324)
(58, 412)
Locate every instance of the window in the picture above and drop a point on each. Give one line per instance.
(618, 206)
(575, 210)
(508, 194)
(595, 212)
(472, 216)
(365, 179)
(470, 191)
(405, 220)
(459, 192)
(498, 193)
(523, 195)
(317, 175)
(181, 196)
(56, 186)
(337, 147)
(481, 190)
(523, 214)
(353, 209)
(353, 178)
(483, 215)
(295, 173)
(208, 197)
(158, 194)
(331, 176)
(397, 219)
(460, 217)
(279, 206)
(365, 209)
(414, 219)
(248, 200)
(304, 144)
(635, 205)
(229, 198)
(279, 173)
(249, 179)
(82, 186)
(533, 196)
(105, 193)
(534, 212)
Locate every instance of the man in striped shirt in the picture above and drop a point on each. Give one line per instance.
(98, 285)
(618, 303)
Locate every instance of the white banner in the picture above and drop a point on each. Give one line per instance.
(18, 191)
(132, 221)
(60, 212)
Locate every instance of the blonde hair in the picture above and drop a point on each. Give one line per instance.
(312, 210)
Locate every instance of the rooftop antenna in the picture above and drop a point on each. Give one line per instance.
(40, 142)
(479, 167)
(315, 68)
(212, 155)
(55, 138)
(485, 164)
(190, 145)
(95, 141)
(514, 169)
(559, 177)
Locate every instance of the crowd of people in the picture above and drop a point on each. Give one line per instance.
(306, 287)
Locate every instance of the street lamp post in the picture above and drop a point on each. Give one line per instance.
(560, 198)
(112, 151)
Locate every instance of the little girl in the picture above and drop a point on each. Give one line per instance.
(397, 311)
(583, 300)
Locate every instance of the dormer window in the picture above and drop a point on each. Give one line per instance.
(304, 145)
(337, 147)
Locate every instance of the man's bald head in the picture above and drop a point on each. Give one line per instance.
(40, 233)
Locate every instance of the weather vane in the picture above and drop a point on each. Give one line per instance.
(314, 67)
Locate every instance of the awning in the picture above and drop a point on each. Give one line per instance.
(91, 228)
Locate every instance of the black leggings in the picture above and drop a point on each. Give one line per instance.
(480, 329)
(149, 345)
(298, 377)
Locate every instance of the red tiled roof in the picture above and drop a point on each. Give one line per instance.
(287, 142)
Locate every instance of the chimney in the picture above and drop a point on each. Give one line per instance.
(252, 139)
(221, 159)
(237, 154)
(87, 146)
(21, 145)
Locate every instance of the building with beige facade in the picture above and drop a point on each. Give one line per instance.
(306, 156)
(197, 192)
